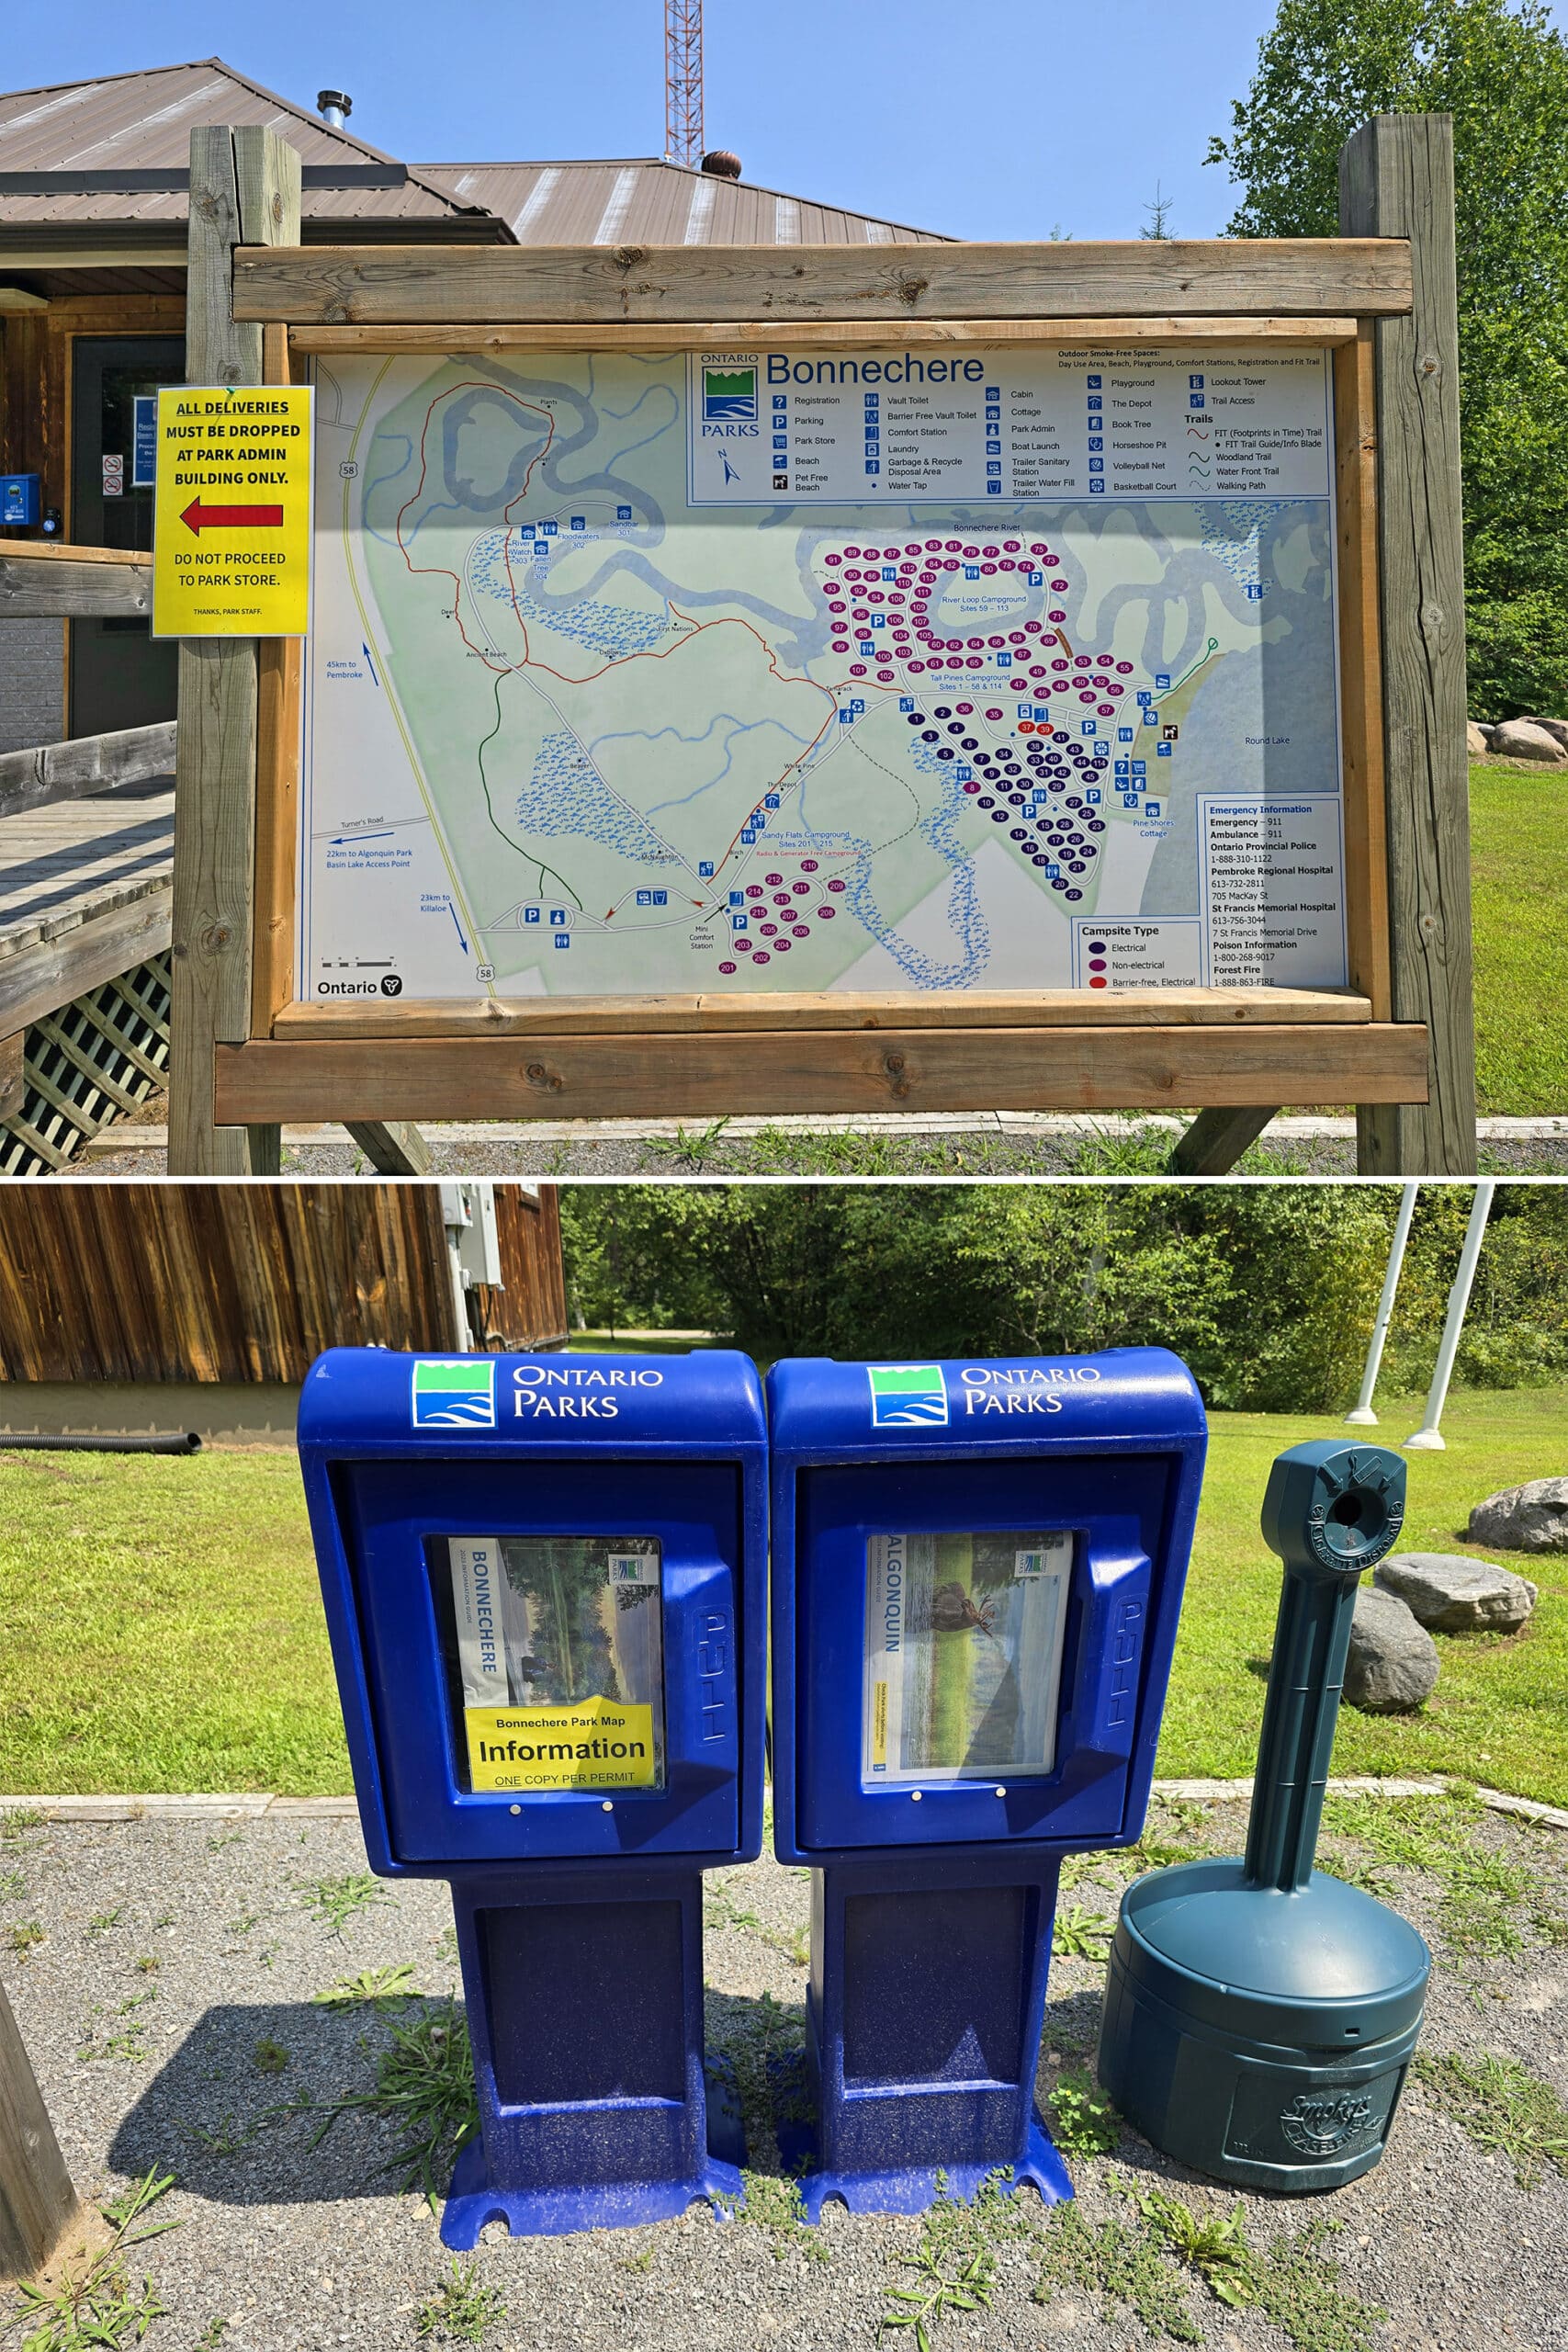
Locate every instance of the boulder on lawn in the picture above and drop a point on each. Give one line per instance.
(1393, 1663)
(1521, 739)
(1453, 1595)
(1474, 741)
(1531, 1518)
(1556, 728)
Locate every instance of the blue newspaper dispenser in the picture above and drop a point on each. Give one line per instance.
(545, 1581)
(977, 1570)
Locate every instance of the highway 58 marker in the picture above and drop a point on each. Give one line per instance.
(231, 514)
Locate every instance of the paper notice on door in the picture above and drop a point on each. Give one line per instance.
(964, 1654)
(560, 1651)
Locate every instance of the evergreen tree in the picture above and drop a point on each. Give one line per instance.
(1501, 70)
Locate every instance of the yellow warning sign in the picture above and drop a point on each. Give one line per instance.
(597, 1744)
(232, 510)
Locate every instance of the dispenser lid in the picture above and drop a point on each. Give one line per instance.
(1324, 1967)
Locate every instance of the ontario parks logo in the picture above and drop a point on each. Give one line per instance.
(906, 1395)
(1317, 2127)
(730, 395)
(457, 1394)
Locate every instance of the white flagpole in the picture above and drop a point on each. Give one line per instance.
(1427, 1438)
(1363, 1408)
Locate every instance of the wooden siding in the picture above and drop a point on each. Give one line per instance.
(240, 1283)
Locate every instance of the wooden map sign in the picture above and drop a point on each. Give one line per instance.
(940, 678)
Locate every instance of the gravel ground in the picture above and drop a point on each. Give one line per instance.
(1121, 1148)
(294, 2249)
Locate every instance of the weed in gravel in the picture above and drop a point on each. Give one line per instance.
(1119, 2263)
(212, 2336)
(393, 1983)
(426, 2085)
(1081, 1935)
(720, 1912)
(243, 1924)
(95, 2305)
(1479, 1892)
(270, 2056)
(147, 1963)
(11, 1885)
(227, 2137)
(1213, 2244)
(1085, 2123)
(104, 1921)
(17, 1824)
(1503, 2106)
(460, 2311)
(772, 2203)
(230, 1838)
(23, 1939)
(692, 1151)
(936, 2294)
(334, 1902)
(1297, 2286)
(1551, 1925)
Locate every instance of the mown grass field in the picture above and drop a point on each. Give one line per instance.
(1520, 872)
(160, 1630)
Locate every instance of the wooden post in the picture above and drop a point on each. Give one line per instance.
(1396, 179)
(244, 189)
(1216, 1139)
(37, 2203)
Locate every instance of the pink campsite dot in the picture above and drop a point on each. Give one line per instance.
(727, 969)
(801, 930)
(809, 866)
(857, 669)
(965, 709)
(782, 946)
(826, 914)
(995, 714)
(753, 889)
(1107, 710)
(1058, 585)
(801, 890)
(768, 929)
(773, 880)
(837, 886)
(760, 955)
(971, 787)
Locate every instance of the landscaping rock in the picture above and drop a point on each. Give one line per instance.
(1393, 1664)
(1456, 1595)
(1521, 739)
(1531, 1518)
(1475, 740)
(1556, 728)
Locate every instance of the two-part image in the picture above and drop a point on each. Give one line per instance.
(784, 1261)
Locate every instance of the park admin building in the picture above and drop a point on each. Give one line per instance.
(92, 308)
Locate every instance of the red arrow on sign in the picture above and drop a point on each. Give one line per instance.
(201, 518)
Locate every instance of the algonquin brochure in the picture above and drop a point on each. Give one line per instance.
(963, 1655)
(560, 1643)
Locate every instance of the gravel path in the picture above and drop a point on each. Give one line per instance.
(157, 2065)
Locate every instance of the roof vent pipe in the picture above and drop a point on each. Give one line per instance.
(334, 107)
(720, 164)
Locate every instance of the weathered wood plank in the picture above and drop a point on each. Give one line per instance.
(76, 590)
(55, 970)
(1216, 1139)
(336, 285)
(37, 2202)
(1396, 179)
(833, 1009)
(87, 764)
(13, 1073)
(822, 335)
(391, 1145)
(62, 551)
(246, 183)
(755, 1072)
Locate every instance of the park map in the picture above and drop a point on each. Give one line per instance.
(909, 669)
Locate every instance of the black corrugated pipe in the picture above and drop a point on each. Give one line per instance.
(166, 1442)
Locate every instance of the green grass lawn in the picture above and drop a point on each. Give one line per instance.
(1520, 883)
(160, 1626)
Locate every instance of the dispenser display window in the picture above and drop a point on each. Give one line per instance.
(560, 1658)
(964, 1643)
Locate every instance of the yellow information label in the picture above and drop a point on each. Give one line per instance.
(232, 510)
(598, 1744)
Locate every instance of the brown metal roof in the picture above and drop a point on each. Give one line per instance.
(139, 123)
(643, 200)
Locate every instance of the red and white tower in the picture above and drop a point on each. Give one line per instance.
(683, 82)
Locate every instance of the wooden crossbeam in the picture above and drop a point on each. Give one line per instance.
(782, 286)
(754, 1073)
(815, 334)
(87, 764)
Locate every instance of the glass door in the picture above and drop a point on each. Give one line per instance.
(118, 675)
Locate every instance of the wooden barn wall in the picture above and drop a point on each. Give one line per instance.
(240, 1283)
(528, 1309)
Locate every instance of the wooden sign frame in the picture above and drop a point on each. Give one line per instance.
(1397, 1042)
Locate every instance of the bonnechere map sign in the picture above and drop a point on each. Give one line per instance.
(905, 669)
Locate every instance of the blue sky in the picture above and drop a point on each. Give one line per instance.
(1000, 120)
